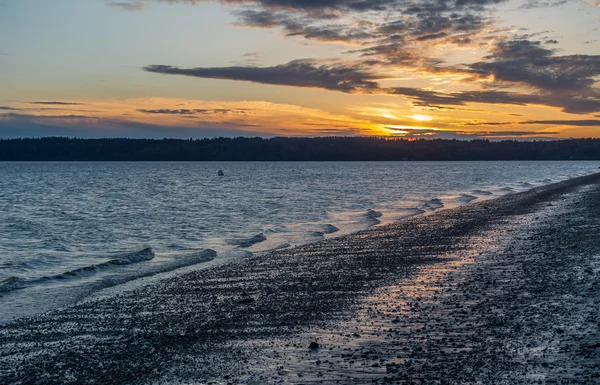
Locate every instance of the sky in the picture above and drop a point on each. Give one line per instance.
(495, 69)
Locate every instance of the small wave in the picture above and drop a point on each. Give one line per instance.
(193, 258)
(407, 213)
(125, 259)
(372, 214)
(278, 229)
(482, 192)
(247, 242)
(507, 189)
(280, 247)
(11, 283)
(14, 283)
(432, 204)
(371, 217)
(466, 198)
(326, 229)
(330, 229)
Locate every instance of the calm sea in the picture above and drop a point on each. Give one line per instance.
(70, 230)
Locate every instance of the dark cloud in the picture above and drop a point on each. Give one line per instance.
(528, 63)
(344, 5)
(12, 115)
(569, 104)
(5, 108)
(297, 73)
(302, 25)
(57, 103)
(575, 123)
(579, 123)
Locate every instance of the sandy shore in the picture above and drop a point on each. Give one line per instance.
(496, 292)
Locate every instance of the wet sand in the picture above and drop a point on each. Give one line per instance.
(498, 292)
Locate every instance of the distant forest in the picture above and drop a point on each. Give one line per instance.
(293, 149)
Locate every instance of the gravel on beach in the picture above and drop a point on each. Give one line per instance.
(502, 291)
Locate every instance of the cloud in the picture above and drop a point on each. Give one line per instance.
(579, 123)
(394, 35)
(351, 5)
(57, 103)
(357, 21)
(426, 133)
(389, 36)
(529, 63)
(530, 4)
(354, 79)
(185, 111)
(297, 73)
(12, 115)
(575, 123)
(127, 5)
(192, 117)
(250, 59)
(5, 108)
(569, 104)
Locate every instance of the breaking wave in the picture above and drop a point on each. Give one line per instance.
(247, 242)
(147, 254)
(330, 229)
(326, 229)
(466, 198)
(432, 204)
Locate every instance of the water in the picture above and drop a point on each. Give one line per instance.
(68, 230)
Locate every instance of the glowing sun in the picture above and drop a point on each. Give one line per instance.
(421, 118)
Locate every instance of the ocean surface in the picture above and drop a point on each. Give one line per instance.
(71, 231)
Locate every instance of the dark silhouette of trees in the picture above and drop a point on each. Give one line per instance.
(293, 149)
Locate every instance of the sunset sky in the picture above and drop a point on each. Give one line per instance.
(201, 68)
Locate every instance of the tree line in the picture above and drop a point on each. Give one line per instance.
(293, 149)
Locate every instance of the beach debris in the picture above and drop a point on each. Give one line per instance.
(314, 345)
(221, 173)
(144, 347)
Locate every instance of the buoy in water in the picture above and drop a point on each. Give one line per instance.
(221, 173)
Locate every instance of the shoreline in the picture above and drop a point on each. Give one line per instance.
(232, 313)
(27, 293)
